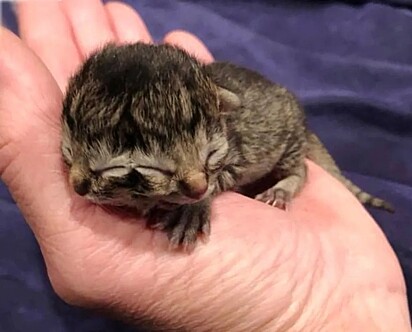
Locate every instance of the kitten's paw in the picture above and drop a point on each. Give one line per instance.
(184, 225)
(158, 219)
(276, 197)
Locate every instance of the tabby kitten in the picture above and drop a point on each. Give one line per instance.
(149, 127)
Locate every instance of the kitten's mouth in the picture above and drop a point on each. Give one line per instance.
(97, 200)
(178, 199)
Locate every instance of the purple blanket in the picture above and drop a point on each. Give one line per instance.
(351, 65)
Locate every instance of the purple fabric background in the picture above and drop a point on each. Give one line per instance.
(350, 64)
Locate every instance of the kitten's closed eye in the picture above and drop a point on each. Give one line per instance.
(213, 160)
(67, 155)
(210, 156)
(113, 171)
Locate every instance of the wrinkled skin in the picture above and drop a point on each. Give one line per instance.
(321, 266)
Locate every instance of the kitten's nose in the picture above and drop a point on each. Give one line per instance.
(195, 185)
(81, 187)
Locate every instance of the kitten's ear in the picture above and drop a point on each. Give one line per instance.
(227, 99)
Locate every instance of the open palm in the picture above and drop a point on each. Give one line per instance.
(322, 264)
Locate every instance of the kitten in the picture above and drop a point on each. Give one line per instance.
(149, 127)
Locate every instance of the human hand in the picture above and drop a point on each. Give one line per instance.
(322, 266)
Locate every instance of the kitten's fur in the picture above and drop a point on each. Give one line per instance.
(149, 127)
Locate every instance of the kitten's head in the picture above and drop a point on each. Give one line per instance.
(144, 121)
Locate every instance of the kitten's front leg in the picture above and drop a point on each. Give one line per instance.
(183, 224)
(186, 223)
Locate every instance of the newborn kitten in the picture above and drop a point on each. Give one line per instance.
(149, 127)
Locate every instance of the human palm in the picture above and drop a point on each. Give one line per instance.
(322, 265)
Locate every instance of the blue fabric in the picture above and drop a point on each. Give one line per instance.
(350, 64)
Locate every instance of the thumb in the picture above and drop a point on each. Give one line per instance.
(30, 103)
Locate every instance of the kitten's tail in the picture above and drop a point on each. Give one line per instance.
(318, 154)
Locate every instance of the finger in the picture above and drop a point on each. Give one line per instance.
(190, 43)
(30, 159)
(29, 136)
(45, 28)
(90, 24)
(127, 24)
